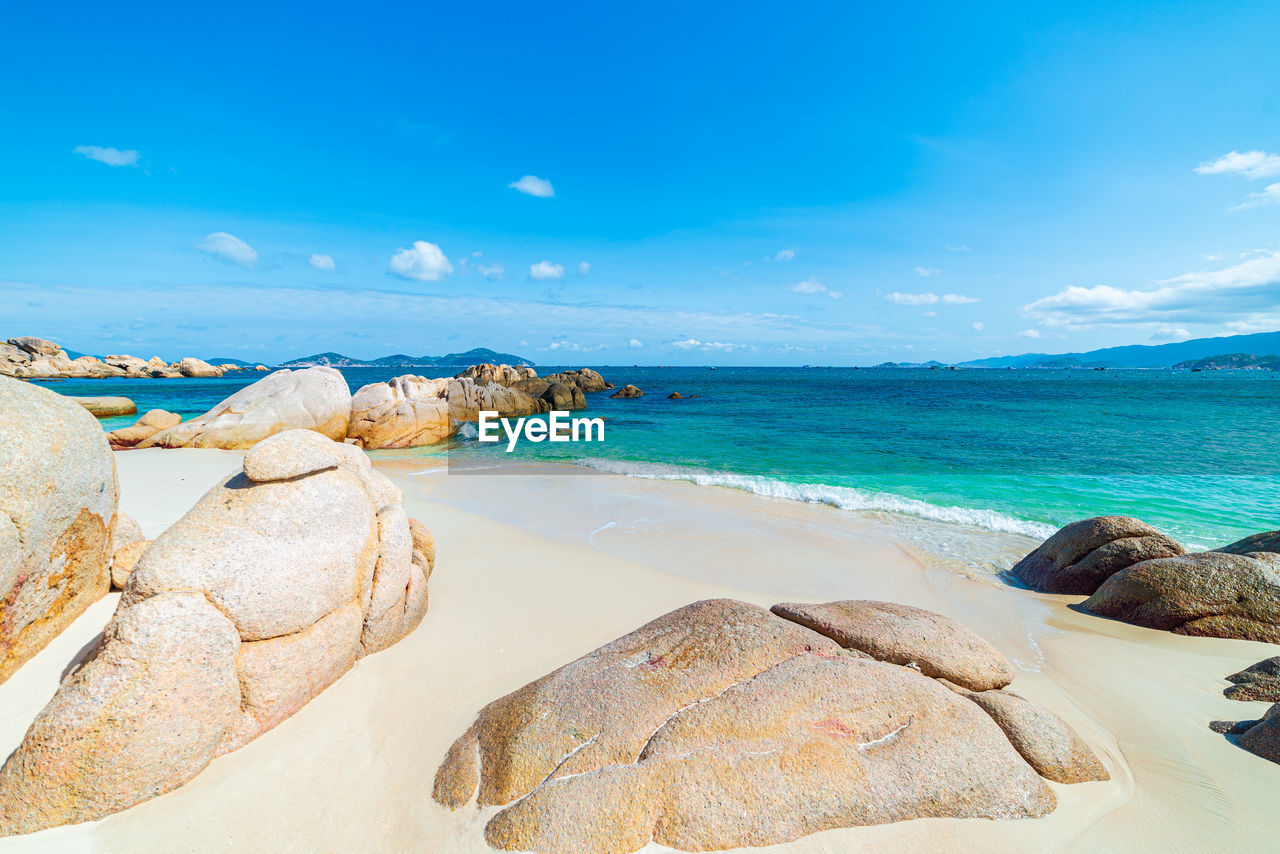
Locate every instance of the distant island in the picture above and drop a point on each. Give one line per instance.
(475, 356)
(1232, 362)
(1144, 355)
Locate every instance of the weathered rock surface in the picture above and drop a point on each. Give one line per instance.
(1268, 541)
(720, 725)
(311, 399)
(192, 367)
(1210, 594)
(107, 407)
(500, 374)
(291, 454)
(409, 410)
(246, 608)
(127, 530)
(584, 378)
(1259, 681)
(467, 398)
(1263, 738)
(628, 390)
(1042, 738)
(151, 423)
(937, 646)
(1084, 554)
(126, 557)
(57, 517)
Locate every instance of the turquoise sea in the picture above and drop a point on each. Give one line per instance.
(1196, 454)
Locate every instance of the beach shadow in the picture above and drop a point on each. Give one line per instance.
(86, 653)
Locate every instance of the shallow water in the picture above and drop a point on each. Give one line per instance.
(1019, 452)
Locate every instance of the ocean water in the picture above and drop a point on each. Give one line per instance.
(1196, 454)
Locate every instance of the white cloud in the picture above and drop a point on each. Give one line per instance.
(322, 262)
(927, 271)
(635, 343)
(812, 286)
(911, 299)
(1269, 195)
(532, 185)
(1029, 333)
(424, 262)
(959, 299)
(109, 156)
(1251, 164)
(960, 248)
(494, 271)
(573, 346)
(695, 344)
(584, 268)
(228, 247)
(1246, 292)
(546, 270)
(783, 255)
(1170, 333)
(978, 326)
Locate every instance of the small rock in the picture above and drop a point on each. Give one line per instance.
(1263, 738)
(627, 391)
(675, 395)
(124, 560)
(292, 453)
(1259, 681)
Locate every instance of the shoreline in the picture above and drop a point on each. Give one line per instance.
(531, 574)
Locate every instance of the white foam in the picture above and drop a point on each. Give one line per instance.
(842, 497)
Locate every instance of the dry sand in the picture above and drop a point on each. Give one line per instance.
(533, 571)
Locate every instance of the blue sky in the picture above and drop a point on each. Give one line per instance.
(743, 183)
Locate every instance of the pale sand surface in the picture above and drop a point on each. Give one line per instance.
(533, 571)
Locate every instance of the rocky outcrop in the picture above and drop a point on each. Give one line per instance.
(191, 367)
(39, 358)
(408, 411)
(584, 378)
(500, 374)
(1263, 737)
(722, 724)
(151, 423)
(107, 407)
(675, 395)
(1259, 681)
(937, 646)
(1210, 594)
(1084, 554)
(627, 391)
(57, 517)
(277, 581)
(1268, 541)
(310, 399)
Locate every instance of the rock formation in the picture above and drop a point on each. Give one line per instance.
(410, 410)
(107, 407)
(311, 399)
(191, 367)
(1259, 681)
(57, 517)
(1084, 554)
(1263, 737)
(627, 390)
(500, 374)
(675, 395)
(39, 358)
(721, 724)
(1268, 541)
(1210, 594)
(151, 423)
(266, 592)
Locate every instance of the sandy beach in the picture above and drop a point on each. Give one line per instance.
(535, 570)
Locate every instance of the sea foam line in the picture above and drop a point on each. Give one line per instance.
(841, 497)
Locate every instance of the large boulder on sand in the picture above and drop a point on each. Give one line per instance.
(721, 725)
(254, 602)
(1084, 554)
(1210, 594)
(1263, 738)
(57, 517)
(935, 645)
(151, 423)
(1259, 681)
(310, 399)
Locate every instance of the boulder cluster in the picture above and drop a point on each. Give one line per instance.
(723, 724)
(278, 580)
(1132, 572)
(39, 358)
(403, 412)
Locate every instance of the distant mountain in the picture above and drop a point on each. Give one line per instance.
(1232, 362)
(1145, 355)
(930, 364)
(477, 356)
